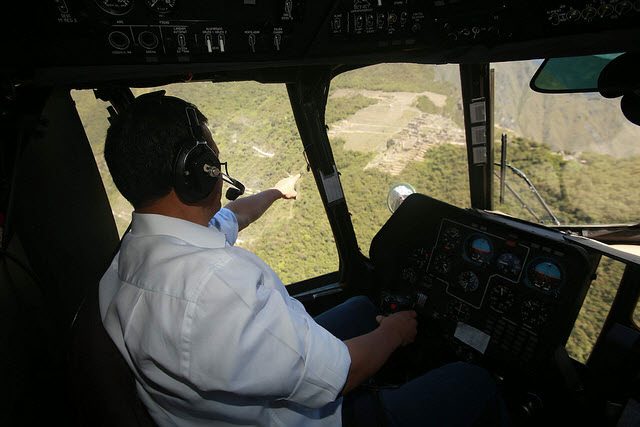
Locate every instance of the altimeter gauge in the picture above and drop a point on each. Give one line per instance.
(161, 7)
(115, 7)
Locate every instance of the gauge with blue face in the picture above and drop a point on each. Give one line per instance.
(546, 275)
(479, 249)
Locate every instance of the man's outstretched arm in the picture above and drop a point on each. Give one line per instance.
(248, 209)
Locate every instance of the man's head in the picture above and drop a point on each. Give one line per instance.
(143, 143)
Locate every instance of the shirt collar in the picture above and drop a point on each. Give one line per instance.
(190, 232)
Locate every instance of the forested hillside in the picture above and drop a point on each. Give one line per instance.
(572, 123)
(423, 144)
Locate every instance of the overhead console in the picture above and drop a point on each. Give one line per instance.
(178, 31)
(439, 24)
(246, 34)
(494, 290)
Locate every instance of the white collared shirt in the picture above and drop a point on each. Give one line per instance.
(212, 335)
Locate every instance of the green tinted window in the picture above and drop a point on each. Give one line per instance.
(576, 74)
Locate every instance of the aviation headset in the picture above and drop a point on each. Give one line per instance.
(197, 168)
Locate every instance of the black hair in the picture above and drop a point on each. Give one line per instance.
(142, 144)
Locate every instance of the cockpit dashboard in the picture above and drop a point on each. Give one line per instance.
(489, 289)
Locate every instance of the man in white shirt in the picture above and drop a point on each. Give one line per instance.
(207, 328)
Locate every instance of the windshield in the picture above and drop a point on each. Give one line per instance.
(570, 158)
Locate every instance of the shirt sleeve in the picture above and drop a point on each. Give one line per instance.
(226, 222)
(265, 349)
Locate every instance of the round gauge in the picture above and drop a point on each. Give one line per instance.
(468, 281)
(459, 310)
(501, 298)
(410, 275)
(479, 249)
(161, 7)
(534, 313)
(451, 238)
(546, 275)
(419, 258)
(509, 265)
(115, 7)
(442, 263)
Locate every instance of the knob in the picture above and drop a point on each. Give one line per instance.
(252, 42)
(119, 40)
(148, 40)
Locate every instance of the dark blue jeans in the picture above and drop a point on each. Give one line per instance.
(457, 394)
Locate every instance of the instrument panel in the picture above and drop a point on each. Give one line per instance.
(251, 32)
(497, 291)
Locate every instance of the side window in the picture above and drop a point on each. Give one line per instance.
(571, 158)
(392, 124)
(595, 309)
(94, 116)
(254, 128)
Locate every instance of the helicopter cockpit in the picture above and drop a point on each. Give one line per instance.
(405, 206)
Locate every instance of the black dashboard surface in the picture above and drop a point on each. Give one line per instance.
(135, 40)
(493, 290)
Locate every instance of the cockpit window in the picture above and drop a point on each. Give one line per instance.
(595, 309)
(254, 127)
(391, 124)
(570, 158)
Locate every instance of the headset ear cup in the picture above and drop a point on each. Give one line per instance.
(191, 182)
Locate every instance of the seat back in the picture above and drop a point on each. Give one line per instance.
(103, 384)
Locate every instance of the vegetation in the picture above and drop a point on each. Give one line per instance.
(256, 132)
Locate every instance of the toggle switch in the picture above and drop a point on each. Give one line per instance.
(207, 39)
(277, 41)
